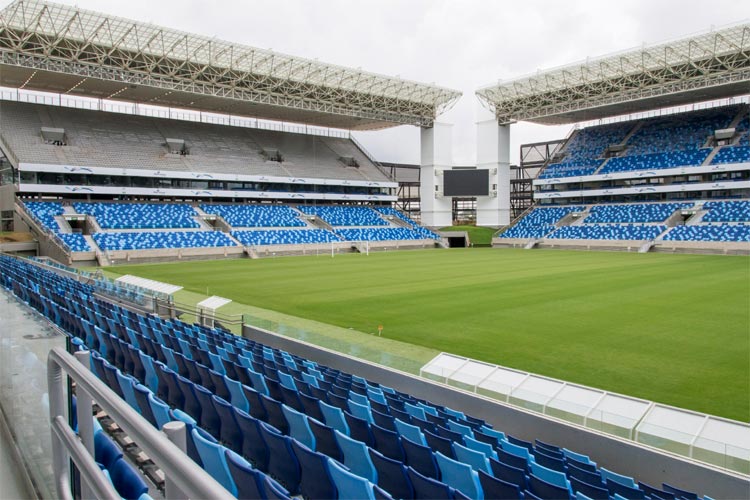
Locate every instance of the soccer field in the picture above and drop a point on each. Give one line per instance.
(670, 328)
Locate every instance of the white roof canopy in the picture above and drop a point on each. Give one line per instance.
(213, 303)
(154, 286)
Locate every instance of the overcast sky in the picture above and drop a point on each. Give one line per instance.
(461, 45)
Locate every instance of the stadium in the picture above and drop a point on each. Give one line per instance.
(213, 286)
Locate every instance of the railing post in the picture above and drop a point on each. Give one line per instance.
(84, 414)
(176, 431)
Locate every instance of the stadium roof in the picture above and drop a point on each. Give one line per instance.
(62, 49)
(708, 66)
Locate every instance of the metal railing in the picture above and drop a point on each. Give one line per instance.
(183, 476)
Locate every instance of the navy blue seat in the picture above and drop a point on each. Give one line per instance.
(548, 461)
(292, 399)
(221, 389)
(230, 435)
(688, 495)
(426, 488)
(511, 459)
(595, 492)
(590, 467)
(392, 476)
(256, 406)
(440, 444)
(209, 420)
(583, 475)
(383, 420)
(325, 440)
(254, 448)
(388, 443)
(191, 405)
(110, 377)
(249, 481)
(420, 458)
(495, 488)
(656, 493)
(546, 490)
(618, 488)
(282, 462)
(315, 478)
(350, 485)
(274, 491)
(168, 377)
(359, 429)
(456, 437)
(338, 401)
(275, 414)
(311, 407)
(128, 483)
(205, 376)
(509, 474)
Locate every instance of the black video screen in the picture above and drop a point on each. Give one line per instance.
(470, 182)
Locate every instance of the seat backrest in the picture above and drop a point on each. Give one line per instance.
(325, 440)
(299, 429)
(513, 449)
(595, 492)
(689, 495)
(249, 482)
(237, 397)
(282, 462)
(214, 461)
(426, 488)
(160, 409)
(551, 476)
(356, 457)
(334, 417)
(618, 478)
(415, 411)
(577, 456)
(360, 410)
(388, 443)
(476, 459)
(656, 493)
(230, 434)
(543, 489)
(392, 475)
(128, 483)
(275, 414)
(508, 473)
(410, 431)
(210, 420)
(460, 428)
(441, 444)
(273, 490)
(553, 463)
(315, 478)
(141, 395)
(617, 488)
(253, 446)
(459, 475)
(584, 475)
(383, 420)
(105, 450)
(420, 458)
(349, 485)
(359, 429)
(493, 487)
(487, 449)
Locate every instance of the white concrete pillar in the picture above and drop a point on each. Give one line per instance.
(437, 155)
(493, 153)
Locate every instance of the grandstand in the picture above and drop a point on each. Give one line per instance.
(187, 409)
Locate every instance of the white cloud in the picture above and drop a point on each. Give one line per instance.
(458, 44)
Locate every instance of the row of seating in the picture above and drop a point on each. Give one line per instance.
(256, 215)
(634, 212)
(727, 211)
(345, 216)
(140, 215)
(608, 232)
(539, 222)
(212, 376)
(422, 231)
(44, 213)
(710, 232)
(660, 142)
(262, 237)
(162, 239)
(379, 234)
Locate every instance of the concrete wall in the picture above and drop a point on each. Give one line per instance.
(436, 156)
(645, 464)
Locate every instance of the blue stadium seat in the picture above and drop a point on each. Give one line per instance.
(214, 461)
(315, 478)
(459, 476)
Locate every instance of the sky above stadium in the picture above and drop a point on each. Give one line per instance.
(461, 45)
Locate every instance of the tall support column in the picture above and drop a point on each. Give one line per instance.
(437, 155)
(493, 153)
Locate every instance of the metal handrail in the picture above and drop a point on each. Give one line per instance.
(179, 469)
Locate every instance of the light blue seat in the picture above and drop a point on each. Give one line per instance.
(516, 450)
(334, 417)
(459, 476)
(476, 459)
(415, 411)
(428, 409)
(460, 428)
(349, 485)
(480, 446)
(359, 398)
(577, 456)
(245, 361)
(299, 428)
(550, 476)
(618, 478)
(356, 457)
(236, 394)
(152, 381)
(310, 379)
(287, 381)
(258, 381)
(455, 413)
(360, 411)
(376, 395)
(160, 410)
(126, 383)
(411, 432)
(214, 461)
(216, 363)
(492, 432)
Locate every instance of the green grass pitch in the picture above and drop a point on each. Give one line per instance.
(670, 328)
